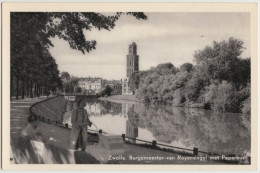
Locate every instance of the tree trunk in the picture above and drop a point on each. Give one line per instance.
(35, 90)
(31, 92)
(38, 91)
(41, 91)
(17, 87)
(22, 89)
(27, 87)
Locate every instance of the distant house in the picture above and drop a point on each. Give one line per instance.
(90, 85)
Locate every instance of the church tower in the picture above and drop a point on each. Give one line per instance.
(132, 60)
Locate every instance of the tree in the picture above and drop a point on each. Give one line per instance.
(78, 90)
(30, 37)
(107, 91)
(222, 61)
(65, 76)
(186, 67)
(219, 81)
(68, 26)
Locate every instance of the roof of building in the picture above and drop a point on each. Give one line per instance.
(90, 79)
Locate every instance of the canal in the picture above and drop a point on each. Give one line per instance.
(212, 132)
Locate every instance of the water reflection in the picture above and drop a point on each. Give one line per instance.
(182, 127)
(131, 131)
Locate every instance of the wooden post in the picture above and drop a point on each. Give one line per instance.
(100, 131)
(123, 136)
(195, 151)
(154, 143)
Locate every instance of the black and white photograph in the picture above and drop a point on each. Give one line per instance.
(131, 87)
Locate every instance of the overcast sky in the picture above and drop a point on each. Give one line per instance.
(164, 37)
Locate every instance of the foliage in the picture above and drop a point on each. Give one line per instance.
(222, 62)
(70, 83)
(186, 67)
(223, 97)
(77, 90)
(246, 109)
(65, 76)
(107, 91)
(220, 80)
(30, 39)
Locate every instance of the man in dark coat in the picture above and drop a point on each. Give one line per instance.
(80, 122)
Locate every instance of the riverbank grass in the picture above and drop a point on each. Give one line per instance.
(120, 97)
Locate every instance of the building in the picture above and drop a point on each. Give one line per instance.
(90, 85)
(117, 89)
(116, 85)
(132, 65)
(125, 87)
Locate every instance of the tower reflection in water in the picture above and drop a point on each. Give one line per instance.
(131, 128)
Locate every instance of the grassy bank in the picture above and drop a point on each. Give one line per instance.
(120, 98)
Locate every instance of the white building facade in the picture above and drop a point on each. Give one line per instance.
(125, 87)
(90, 85)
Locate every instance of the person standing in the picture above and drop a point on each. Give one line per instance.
(80, 122)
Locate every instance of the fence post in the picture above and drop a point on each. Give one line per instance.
(154, 143)
(195, 151)
(100, 131)
(123, 136)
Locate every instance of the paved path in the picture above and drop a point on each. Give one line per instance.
(20, 113)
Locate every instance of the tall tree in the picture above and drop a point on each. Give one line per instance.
(222, 61)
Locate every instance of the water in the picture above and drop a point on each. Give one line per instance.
(181, 127)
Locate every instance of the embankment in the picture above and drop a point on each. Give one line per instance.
(50, 110)
(120, 98)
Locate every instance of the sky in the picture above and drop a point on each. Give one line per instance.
(164, 37)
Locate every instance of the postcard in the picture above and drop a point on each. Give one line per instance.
(129, 86)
